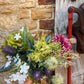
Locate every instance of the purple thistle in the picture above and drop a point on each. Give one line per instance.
(48, 72)
(37, 74)
(8, 50)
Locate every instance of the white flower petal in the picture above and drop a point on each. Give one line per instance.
(7, 81)
(7, 64)
(19, 62)
(22, 29)
(33, 35)
(17, 36)
(9, 57)
(18, 77)
(24, 68)
(15, 59)
(17, 56)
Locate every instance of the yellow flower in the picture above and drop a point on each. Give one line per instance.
(35, 56)
(40, 44)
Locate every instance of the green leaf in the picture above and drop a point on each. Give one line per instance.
(31, 40)
(48, 38)
(7, 68)
(25, 38)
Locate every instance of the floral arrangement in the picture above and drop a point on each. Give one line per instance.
(36, 59)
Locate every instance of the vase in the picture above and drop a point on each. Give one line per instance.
(44, 81)
(28, 81)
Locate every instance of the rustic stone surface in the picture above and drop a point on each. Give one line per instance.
(47, 24)
(30, 24)
(7, 2)
(46, 2)
(2, 37)
(41, 13)
(8, 22)
(12, 23)
(28, 4)
(8, 9)
(24, 14)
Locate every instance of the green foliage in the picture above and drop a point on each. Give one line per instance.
(7, 68)
(38, 55)
(47, 38)
(25, 38)
(11, 41)
(43, 51)
(36, 66)
(31, 40)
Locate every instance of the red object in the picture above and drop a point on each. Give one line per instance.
(70, 13)
(70, 25)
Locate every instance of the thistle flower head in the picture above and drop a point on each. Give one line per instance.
(51, 63)
(37, 74)
(48, 72)
(8, 50)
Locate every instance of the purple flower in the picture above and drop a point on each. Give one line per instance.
(64, 42)
(37, 74)
(8, 50)
(48, 72)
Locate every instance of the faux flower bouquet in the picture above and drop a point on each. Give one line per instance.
(36, 59)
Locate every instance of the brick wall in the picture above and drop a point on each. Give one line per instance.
(36, 14)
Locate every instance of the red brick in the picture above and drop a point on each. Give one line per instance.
(47, 24)
(46, 2)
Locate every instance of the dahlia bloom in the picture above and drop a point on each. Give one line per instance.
(65, 43)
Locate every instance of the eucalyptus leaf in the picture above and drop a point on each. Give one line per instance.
(25, 37)
(48, 38)
(31, 40)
